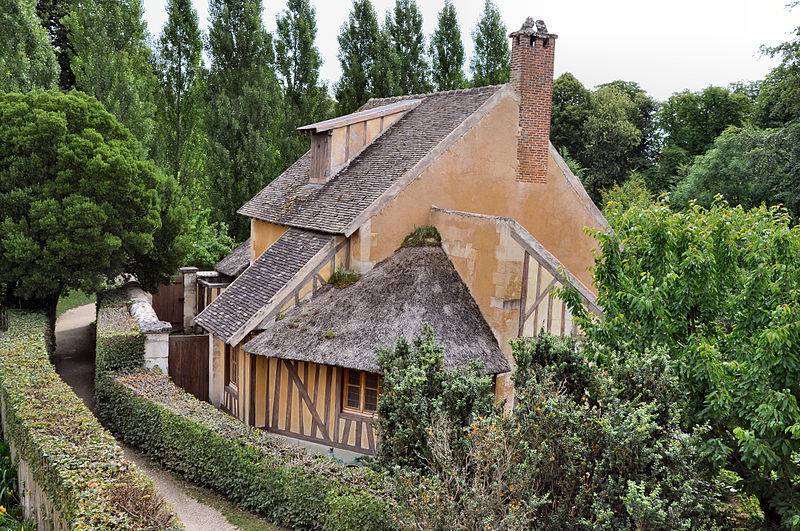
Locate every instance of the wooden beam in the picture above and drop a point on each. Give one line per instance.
(362, 116)
(523, 297)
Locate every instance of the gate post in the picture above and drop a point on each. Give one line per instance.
(189, 297)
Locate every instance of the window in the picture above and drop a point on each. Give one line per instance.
(361, 391)
(232, 365)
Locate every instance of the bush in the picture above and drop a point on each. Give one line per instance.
(72, 458)
(426, 236)
(204, 445)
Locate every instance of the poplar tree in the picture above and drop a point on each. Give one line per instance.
(367, 59)
(51, 13)
(241, 122)
(179, 69)
(405, 29)
(298, 61)
(447, 51)
(490, 64)
(112, 62)
(26, 57)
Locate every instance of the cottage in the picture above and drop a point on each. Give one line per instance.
(289, 355)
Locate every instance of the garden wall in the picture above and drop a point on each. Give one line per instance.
(72, 473)
(256, 470)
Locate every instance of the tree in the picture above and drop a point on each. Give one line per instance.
(367, 59)
(492, 57)
(778, 100)
(298, 61)
(241, 95)
(447, 51)
(718, 290)
(748, 167)
(79, 201)
(112, 62)
(26, 57)
(571, 107)
(405, 29)
(691, 121)
(179, 70)
(51, 13)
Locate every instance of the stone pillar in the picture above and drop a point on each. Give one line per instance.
(189, 298)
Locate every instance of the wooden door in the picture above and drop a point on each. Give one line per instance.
(188, 364)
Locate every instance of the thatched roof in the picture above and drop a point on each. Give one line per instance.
(236, 262)
(414, 286)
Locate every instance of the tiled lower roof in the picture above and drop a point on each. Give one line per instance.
(332, 207)
(236, 262)
(254, 288)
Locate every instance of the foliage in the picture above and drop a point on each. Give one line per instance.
(490, 64)
(78, 200)
(179, 136)
(242, 93)
(718, 289)
(425, 236)
(367, 60)
(211, 241)
(582, 450)
(447, 51)
(691, 121)
(51, 13)
(111, 61)
(305, 99)
(416, 391)
(342, 278)
(192, 438)
(571, 108)
(747, 167)
(778, 99)
(619, 199)
(74, 299)
(72, 458)
(27, 60)
(405, 29)
(11, 511)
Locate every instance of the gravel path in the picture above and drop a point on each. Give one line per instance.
(74, 361)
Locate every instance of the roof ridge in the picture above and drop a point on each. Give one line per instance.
(437, 93)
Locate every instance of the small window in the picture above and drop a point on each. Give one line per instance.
(232, 365)
(361, 390)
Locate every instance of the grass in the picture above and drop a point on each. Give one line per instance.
(73, 299)
(426, 236)
(241, 519)
(341, 278)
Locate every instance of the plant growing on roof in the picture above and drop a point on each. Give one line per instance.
(425, 236)
(343, 278)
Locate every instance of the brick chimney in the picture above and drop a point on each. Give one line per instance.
(532, 52)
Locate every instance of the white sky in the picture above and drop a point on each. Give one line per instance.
(665, 46)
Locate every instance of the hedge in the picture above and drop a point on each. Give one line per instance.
(74, 460)
(257, 471)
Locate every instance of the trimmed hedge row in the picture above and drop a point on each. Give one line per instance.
(257, 471)
(73, 459)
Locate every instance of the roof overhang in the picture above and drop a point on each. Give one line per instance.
(358, 117)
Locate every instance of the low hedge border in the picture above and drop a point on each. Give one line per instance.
(259, 472)
(76, 462)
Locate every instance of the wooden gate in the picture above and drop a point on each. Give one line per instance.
(168, 303)
(188, 364)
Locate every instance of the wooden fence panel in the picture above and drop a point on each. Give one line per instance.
(168, 303)
(188, 364)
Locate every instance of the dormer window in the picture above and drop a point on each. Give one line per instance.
(337, 141)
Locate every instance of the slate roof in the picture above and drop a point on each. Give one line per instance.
(254, 288)
(236, 262)
(331, 207)
(414, 286)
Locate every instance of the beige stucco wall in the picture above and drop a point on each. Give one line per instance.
(262, 235)
(478, 174)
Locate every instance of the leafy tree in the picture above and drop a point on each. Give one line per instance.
(367, 59)
(179, 69)
(571, 107)
(490, 63)
(51, 13)
(242, 92)
(691, 121)
(26, 57)
(298, 61)
(211, 242)
(447, 51)
(112, 62)
(405, 29)
(778, 100)
(79, 202)
(718, 290)
(416, 391)
(634, 193)
(642, 115)
(747, 167)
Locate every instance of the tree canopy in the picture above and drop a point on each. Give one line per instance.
(447, 51)
(405, 29)
(491, 62)
(27, 60)
(79, 201)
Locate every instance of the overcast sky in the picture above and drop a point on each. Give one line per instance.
(665, 46)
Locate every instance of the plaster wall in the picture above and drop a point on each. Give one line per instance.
(216, 370)
(262, 235)
(156, 351)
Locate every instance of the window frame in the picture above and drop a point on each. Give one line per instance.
(362, 389)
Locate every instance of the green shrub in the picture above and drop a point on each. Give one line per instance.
(426, 236)
(72, 458)
(342, 278)
(192, 438)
